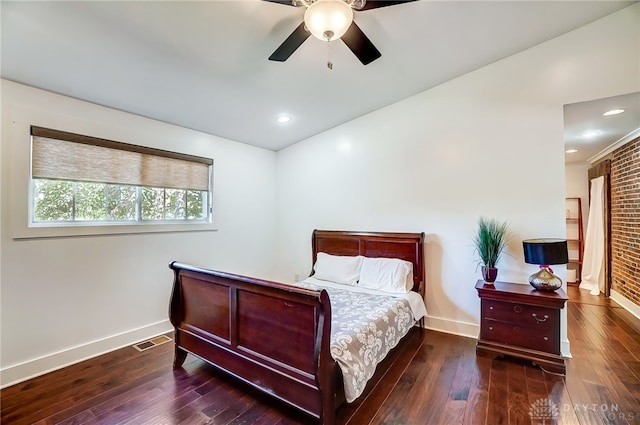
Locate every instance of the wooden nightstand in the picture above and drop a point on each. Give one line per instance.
(518, 320)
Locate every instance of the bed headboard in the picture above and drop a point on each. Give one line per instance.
(405, 246)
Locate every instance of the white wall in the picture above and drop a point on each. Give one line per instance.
(488, 143)
(64, 299)
(577, 186)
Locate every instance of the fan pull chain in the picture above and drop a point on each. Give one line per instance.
(329, 61)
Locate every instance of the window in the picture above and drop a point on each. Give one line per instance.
(81, 180)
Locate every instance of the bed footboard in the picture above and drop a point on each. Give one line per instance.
(273, 336)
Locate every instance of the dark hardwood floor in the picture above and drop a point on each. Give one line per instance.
(438, 380)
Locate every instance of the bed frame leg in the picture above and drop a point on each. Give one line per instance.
(179, 358)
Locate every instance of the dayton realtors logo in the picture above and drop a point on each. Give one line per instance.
(543, 411)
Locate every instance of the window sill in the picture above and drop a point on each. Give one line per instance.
(71, 231)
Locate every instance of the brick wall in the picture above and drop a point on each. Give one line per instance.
(625, 220)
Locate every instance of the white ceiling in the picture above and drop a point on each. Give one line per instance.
(203, 64)
(585, 117)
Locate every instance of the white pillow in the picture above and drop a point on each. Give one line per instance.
(386, 274)
(337, 268)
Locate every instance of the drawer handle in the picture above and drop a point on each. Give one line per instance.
(546, 338)
(517, 309)
(535, 316)
(490, 328)
(490, 307)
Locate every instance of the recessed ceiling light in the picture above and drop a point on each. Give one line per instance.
(571, 150)
(613, 112)
(591, 133)
(284, 118)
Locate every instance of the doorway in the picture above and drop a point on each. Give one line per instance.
(618, 164)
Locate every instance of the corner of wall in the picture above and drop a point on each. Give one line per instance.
(17, 373)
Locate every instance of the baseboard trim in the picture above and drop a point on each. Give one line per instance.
(471, 330)
(565, 349)
(467, 330)
(20, 372)
(625, 303)
(15, 374)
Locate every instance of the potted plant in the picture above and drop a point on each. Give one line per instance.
(490, 242)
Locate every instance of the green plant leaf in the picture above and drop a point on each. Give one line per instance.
(490, 240)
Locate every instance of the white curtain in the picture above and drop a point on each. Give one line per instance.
(593, 259)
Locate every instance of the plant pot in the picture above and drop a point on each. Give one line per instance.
(489, 274)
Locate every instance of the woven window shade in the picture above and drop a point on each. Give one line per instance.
(67, 156)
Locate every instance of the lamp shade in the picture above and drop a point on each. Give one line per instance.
(545, 251)
(328, 19)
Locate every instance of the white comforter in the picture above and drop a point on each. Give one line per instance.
(365, 326)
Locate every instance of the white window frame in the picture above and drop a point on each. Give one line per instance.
(21, 195)
(207, 210)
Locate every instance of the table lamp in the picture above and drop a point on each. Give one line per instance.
(544, 252)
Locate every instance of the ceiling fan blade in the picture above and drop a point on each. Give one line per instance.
(374, 4)
(286, 49)
(360, 45)
(287, 2)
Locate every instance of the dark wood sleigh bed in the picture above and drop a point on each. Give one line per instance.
(274, 336)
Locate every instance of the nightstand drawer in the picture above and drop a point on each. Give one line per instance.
(521, 314)
(517, 320)
(526, 337)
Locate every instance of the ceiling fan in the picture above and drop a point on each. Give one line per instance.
(329, 20)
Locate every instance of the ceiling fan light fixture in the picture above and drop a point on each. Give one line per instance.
(328, 20)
